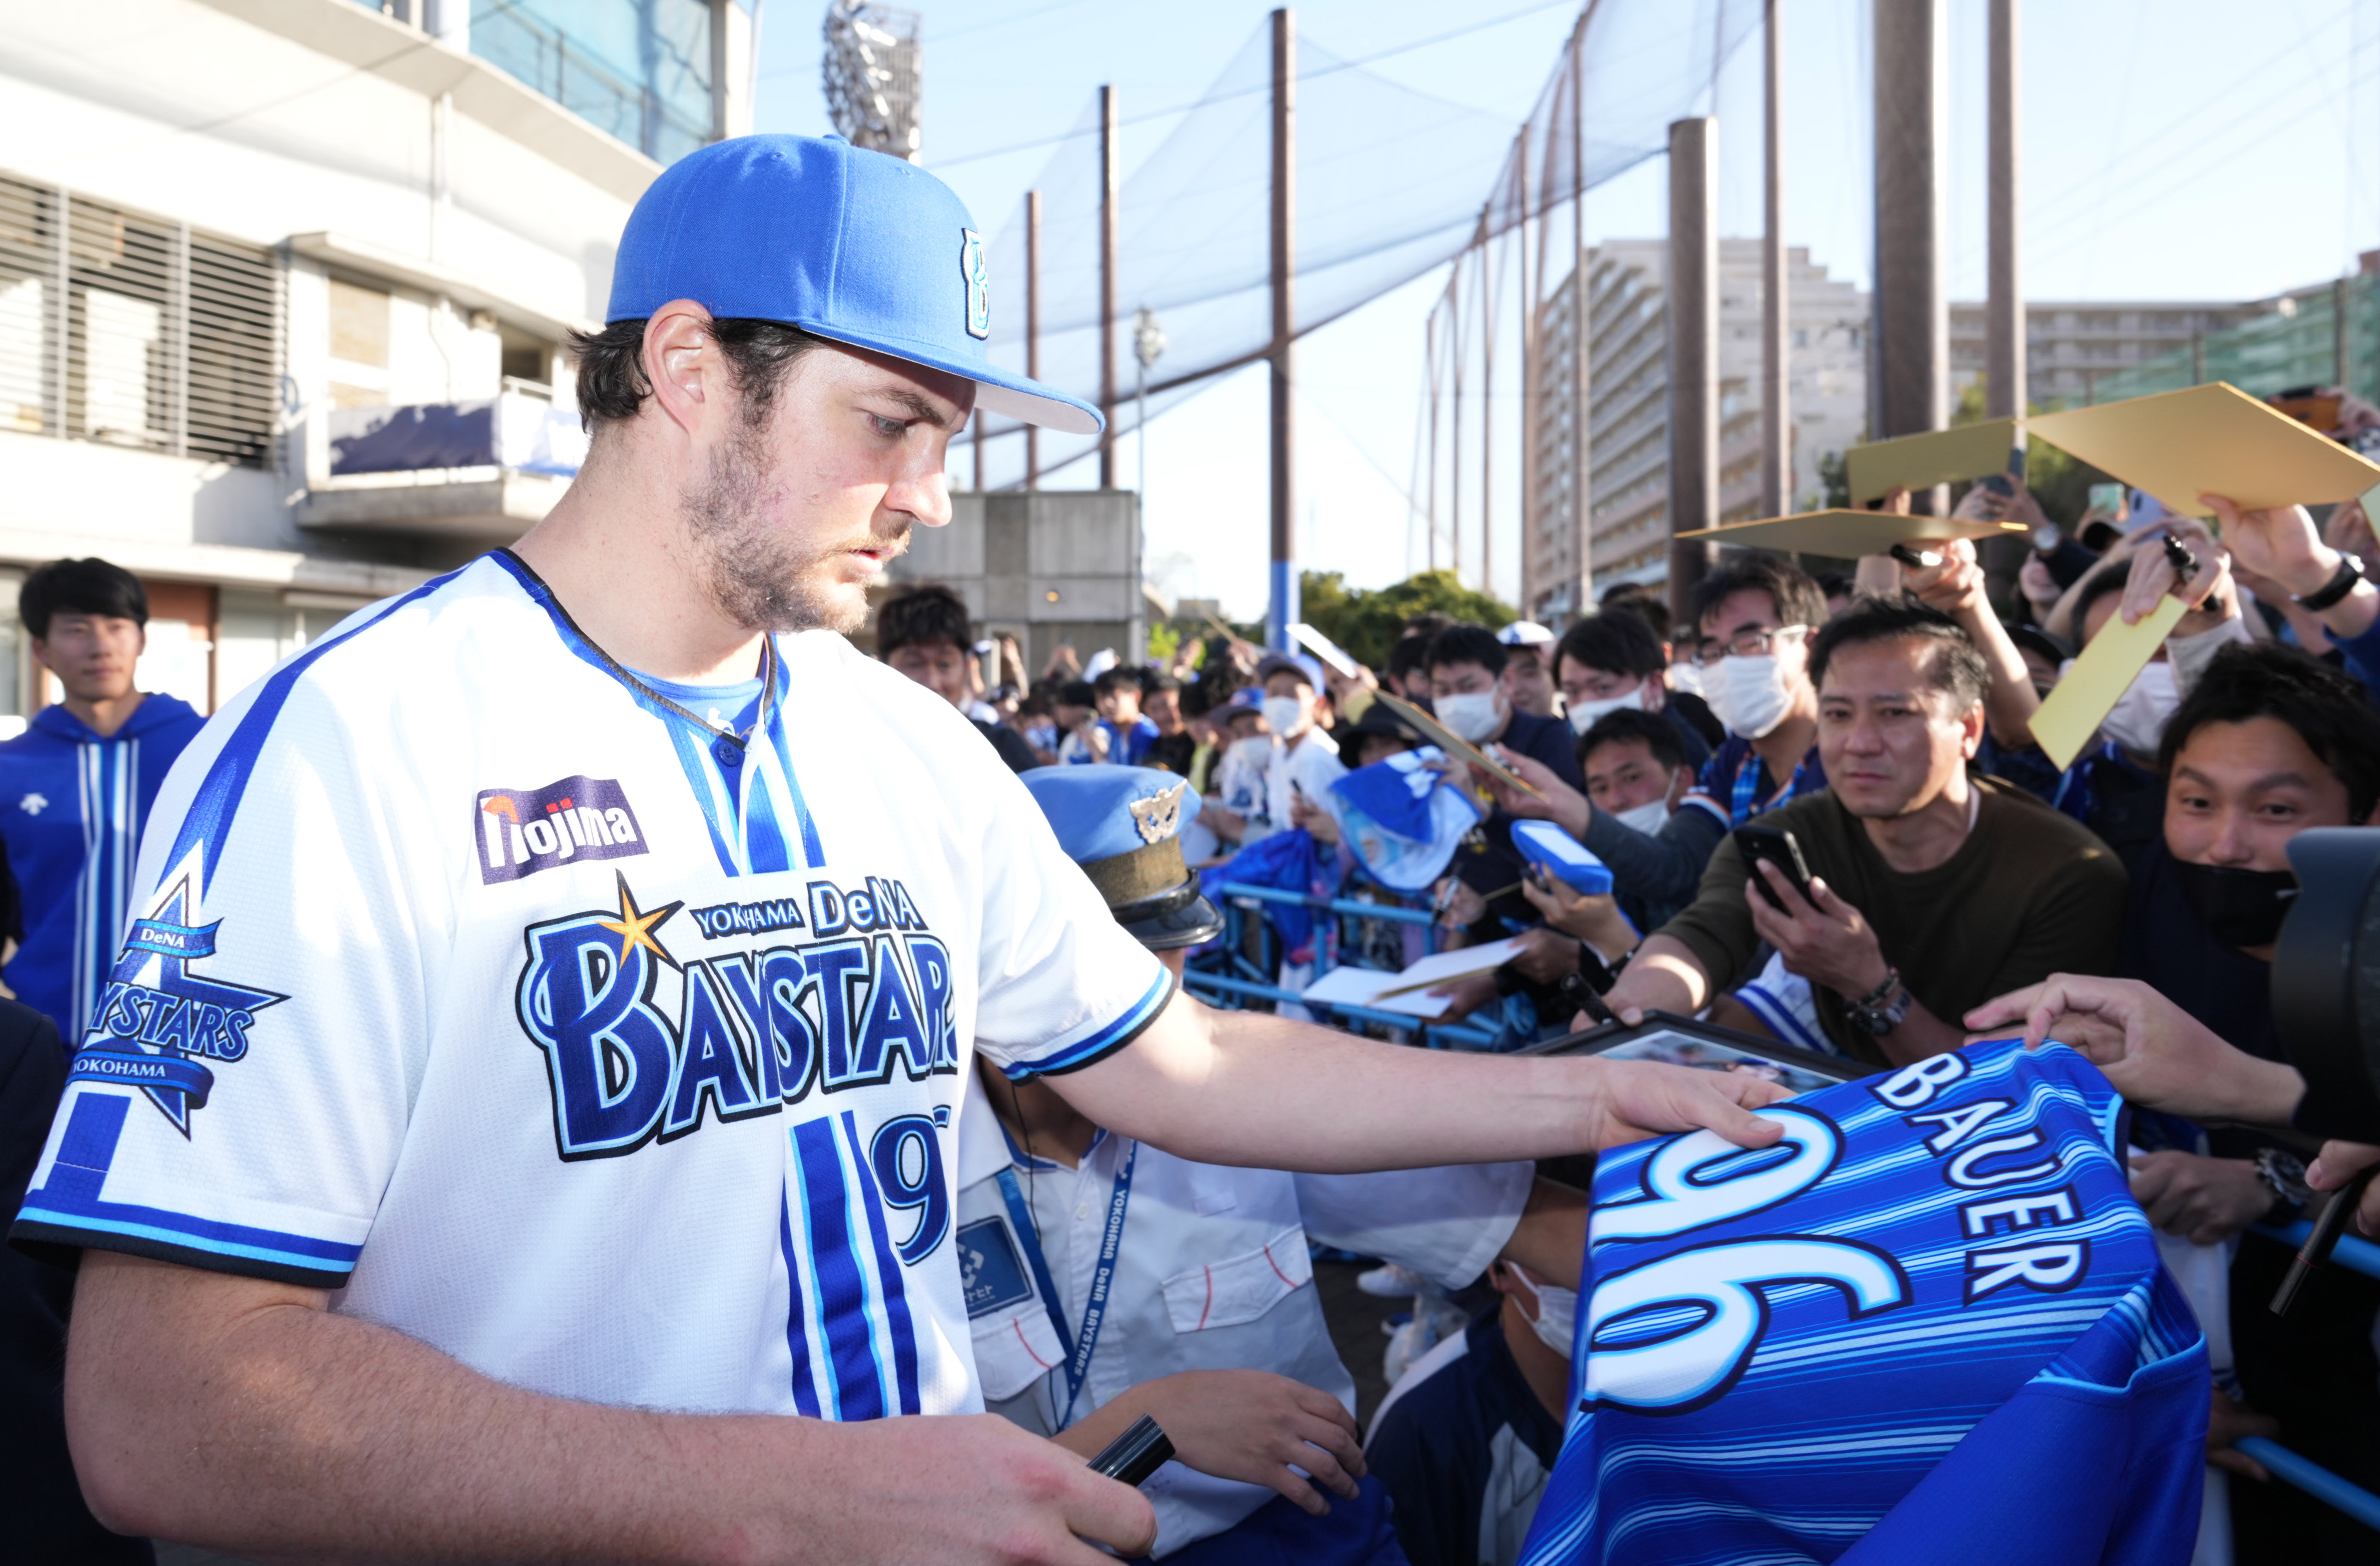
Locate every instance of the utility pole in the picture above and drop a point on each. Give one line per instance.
(1430, 353)
(1776, 295)
(977, 443)
(1531, 280)
(1913, 325)
(1109, 184)
(1582, 443)
(1694, 355)
(1283, 609)
(1032, 328)
(2004, 368)
(1486, 423)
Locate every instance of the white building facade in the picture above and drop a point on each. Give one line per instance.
(1628, 402)
(286, 285)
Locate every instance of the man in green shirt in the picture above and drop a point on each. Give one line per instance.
(1930, 889)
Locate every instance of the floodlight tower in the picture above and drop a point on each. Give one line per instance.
(871, 75)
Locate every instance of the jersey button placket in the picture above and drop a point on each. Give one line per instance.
(730, 754)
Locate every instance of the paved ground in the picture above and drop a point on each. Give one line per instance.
(1355, 1319)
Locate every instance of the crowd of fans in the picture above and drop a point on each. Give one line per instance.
(1883, 719)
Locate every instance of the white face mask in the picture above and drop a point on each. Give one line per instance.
(1687, 677)
(1255, 751)
(1282, 714)
(1556, 1315)
(1749, 695)
(1649, 818)
(1583, 714)
(1473, 717)
(2137, 723)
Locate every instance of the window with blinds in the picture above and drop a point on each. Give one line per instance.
(135, 331)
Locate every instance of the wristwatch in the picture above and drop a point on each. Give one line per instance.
(1882, 1009)
(2342, 582)
(2283, 1173)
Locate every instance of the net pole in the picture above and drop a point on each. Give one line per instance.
(1110, 183)
(2005, 378)
(1912, 315)
(1582, 443)
(1283, 605)
(1526, 297)
(1776, 299)
(1032, 328)
(1693, 353)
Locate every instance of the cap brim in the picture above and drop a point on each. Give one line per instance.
(996, 390)
(1193, 924)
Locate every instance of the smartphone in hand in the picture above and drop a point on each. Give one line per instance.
(1780, 848)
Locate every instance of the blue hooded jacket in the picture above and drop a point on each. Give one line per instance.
(71, 807)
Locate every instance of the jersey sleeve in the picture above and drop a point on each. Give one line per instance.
(1061, 983)
(242, 1095)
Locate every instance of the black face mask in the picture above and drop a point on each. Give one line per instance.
(2240, 907)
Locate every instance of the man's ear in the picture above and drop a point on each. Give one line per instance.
(682, 364)
(1971, 728)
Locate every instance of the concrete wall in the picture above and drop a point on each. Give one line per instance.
(1047, 566)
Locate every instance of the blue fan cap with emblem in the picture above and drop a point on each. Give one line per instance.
(1122, 825)
(856, 247)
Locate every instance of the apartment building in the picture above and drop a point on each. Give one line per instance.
(1627, 388)
(2069, 347)
(285, 286)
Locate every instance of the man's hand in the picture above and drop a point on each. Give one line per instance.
(1244, 1425)
(2227, 1424)
(247, 1415)
(1595, 920)
(1641, 1100)
(2210, 592)
(1822, 938)
(1465, 995)
(2157, 1055)
(2341, 1163)
(1321, 823)
(1459, 906)
(1955, 587)
(2204, 1200)
(2280, 545)
(1562, 805)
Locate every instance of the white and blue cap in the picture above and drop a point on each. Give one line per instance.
(1122, 825)
(849, 245)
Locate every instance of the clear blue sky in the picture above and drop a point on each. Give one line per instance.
(2176, 148)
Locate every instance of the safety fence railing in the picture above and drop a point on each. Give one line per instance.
(1248, 965)
(2356, 1256)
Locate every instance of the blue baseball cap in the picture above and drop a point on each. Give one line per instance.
(853, 246)
(1122, 825)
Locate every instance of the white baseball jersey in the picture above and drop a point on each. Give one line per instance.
(618, 1060)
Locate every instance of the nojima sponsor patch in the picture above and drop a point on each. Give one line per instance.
(523, 831)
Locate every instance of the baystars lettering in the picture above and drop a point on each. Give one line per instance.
(869, 992)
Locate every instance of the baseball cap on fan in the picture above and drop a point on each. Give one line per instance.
(853, 246)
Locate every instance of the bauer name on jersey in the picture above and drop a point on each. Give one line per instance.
(1930, 1325)
(615, 1058)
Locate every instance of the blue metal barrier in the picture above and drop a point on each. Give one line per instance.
(1242, 977)
(2312, 1479)
(2356, 1256)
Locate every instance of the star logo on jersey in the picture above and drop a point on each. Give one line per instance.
(33, 804)
(158, 1022)
(634, 928)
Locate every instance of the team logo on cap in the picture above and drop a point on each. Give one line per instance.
(979, 283)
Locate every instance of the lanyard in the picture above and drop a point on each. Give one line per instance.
(1078, 1346)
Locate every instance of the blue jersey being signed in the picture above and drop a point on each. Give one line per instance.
(1930, 1326)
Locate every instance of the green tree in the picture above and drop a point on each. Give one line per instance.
(1367, 621)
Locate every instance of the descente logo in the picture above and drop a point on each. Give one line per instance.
(523, 831)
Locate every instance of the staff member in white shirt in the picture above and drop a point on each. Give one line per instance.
(1210, 1323)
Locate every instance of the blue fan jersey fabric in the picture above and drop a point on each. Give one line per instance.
(1930, 1326)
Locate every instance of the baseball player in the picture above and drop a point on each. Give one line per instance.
(519, 1123)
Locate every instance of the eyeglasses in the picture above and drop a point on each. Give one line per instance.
(1747, 644)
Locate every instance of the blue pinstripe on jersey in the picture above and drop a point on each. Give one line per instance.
(888, 1272)
(842, 1286)
(797, 1337)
